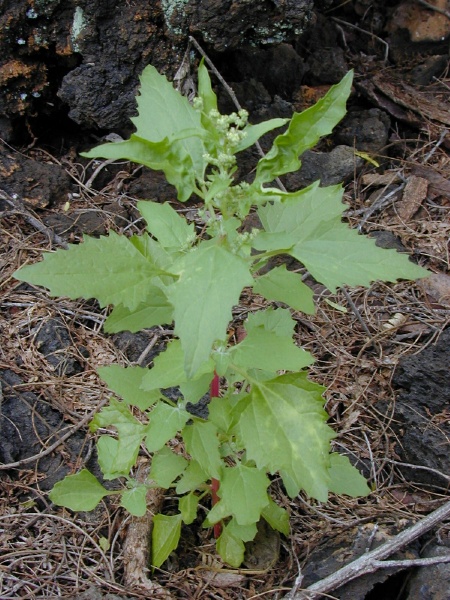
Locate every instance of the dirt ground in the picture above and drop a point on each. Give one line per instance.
(382, 352)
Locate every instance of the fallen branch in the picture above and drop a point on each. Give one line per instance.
(372, 561)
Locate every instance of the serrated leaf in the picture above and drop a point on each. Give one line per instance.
(108, 268)
(332, 252)
(253, 351)
(165, 537)
(156, 310)
(192, 478)
(202, 444)
(281, 285)
(345, 478)
(283, 427)
(163, 222)
(165, 422)
(168, 371)
(78, 492)
(166, 467)
(134, 500)
(159, 142)
(203, 301)
(231, 549)
(246, 533)
(187, 506)
(243, 495)
(221, 413)
(304, 131)
(276, 516)
(107, 447)
(126, 382)
(130, 432)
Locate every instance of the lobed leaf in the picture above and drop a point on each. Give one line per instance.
(134, 500)
(202, 444)
(187, 506)
(230, 548)
(283, 427)
(345, 478)
(166, 225)
(309, 222)
(203, 301)
(78, 492)
(281, 285)
(126, 382)
(243, 495)
(165, 422)
(166, 467)
(109, 268)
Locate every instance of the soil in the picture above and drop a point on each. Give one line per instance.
(383, 352)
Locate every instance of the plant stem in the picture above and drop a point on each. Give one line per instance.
(214, 393)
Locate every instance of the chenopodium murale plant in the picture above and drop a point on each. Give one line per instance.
(269, 418)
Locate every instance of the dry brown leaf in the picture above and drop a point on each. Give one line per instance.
(414, 194)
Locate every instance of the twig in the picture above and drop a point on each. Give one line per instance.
(372, 561)
(20, 208)
(442, 11)
(346, 24)
(49, 450)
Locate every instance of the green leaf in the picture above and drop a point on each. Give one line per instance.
(202, 444)
(231, 549)
(345, 478)
(332, 252)
(246, 533)
(254, 132)
(165, 422)
(165, 537)
(304, 131)
(187, 506)
(130, 432)
(108, 268)
(193, 478)
(205, 90)
(159, 143)
(156, 310)
(127, 382)
(203, 301)
(276, 516)
(243, 495)
(266, 349)
(78, 492)
(135, 500)
(283, 427)
(107, 447)
(163, 222)
(166, 467)
(168, 371)
(281, 285)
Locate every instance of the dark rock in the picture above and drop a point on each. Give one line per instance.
(367, 130)
(327, 65)
(431, 582)
(133, 345)
(35, 183)
(89, 222)
(336, 552)
(279, 69)
(387, 240)
(152, 185)
(228, 24)
(421, 411)
(25, 423)
(54, 342)
(330, 167)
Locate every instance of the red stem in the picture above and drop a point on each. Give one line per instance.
(215, 483)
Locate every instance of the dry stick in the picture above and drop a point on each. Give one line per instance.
(435, 8)
(30, 459)
(372, 561)
(346, 24)
(19, 207)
